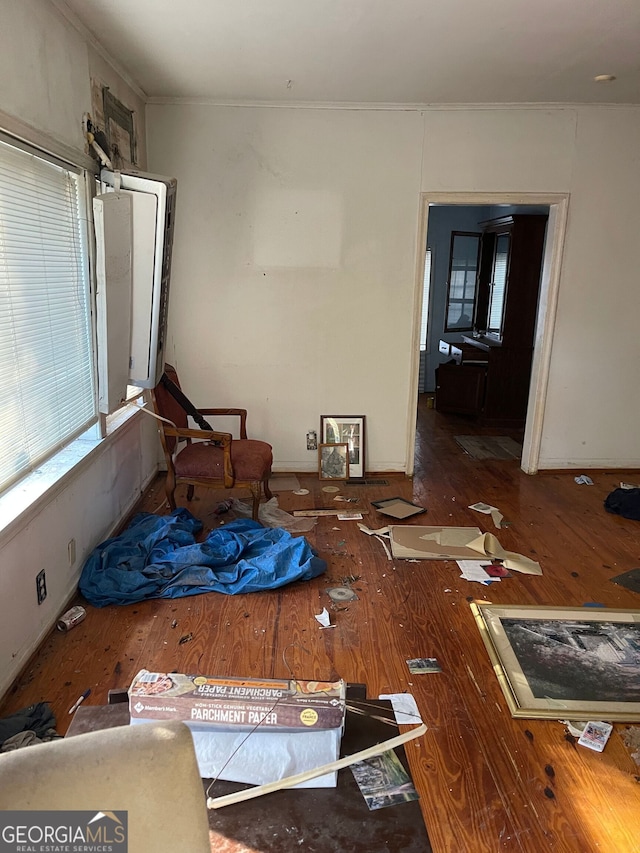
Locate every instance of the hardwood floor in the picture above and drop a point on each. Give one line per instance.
(487, 782)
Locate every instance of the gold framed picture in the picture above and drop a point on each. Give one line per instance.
(333, 461)
(570, 663)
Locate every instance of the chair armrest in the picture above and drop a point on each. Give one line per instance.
(241, 413)
(224, 439)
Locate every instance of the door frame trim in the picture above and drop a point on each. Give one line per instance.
(558, 204)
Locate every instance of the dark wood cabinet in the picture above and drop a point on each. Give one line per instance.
(492, 380)
(460, 390)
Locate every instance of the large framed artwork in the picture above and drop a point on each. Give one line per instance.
(564, 662)
(346, 429)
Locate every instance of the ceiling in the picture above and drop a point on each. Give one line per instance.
(371, 51)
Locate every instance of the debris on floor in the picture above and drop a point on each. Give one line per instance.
(383, 781)
(29, 725)
(455, 543)
(158, 557)
(419, 666)
(631, 739)
(624, 502)
(475, 570)
(404, 707)
(324, 619)
(398, 508)
(341, 593)
(629, 580)
(595, 735)
(583, 480)
(270, 515)
(257, 714)
(487, 509)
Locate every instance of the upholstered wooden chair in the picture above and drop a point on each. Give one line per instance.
(209, 458)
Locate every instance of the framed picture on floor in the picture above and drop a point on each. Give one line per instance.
(568, 663)
(333, 461)
(349, 429)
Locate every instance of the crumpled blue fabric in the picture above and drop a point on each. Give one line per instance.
(158, 557)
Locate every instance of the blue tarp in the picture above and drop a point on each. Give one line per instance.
(158, 557)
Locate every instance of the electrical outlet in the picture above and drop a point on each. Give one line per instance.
(312, 440)
(41, 586)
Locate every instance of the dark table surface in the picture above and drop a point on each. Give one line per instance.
(313, 820)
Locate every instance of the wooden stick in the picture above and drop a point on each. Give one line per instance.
(319, 513)
(290, 781)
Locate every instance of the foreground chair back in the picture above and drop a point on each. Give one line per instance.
(150, 771)
(209, 458)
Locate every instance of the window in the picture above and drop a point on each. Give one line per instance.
(426, 287)
(498, 284)
(461, 289)
(46, 356)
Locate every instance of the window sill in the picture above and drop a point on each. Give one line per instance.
(23, 501)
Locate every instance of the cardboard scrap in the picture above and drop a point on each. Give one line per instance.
(398, 508)
(455, 543)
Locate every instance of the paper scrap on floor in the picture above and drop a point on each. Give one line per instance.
(487, 509)
(473, 570)
(404, 707)
(323, 618)
(455, 543)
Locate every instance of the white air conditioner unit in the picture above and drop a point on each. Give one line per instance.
(153, 199)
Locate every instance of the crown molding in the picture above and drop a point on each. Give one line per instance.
(71, 17)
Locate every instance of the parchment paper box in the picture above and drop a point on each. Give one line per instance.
(247, 729)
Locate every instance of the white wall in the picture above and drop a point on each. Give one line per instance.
(593, 407)
(295, 261)
(591, 153)
(95, 498)
(44, 78)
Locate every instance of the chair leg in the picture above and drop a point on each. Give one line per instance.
(170, 489)
(267, 491)
(257, 493)
(190, 490)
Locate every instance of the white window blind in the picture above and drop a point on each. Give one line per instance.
(498, 285)
(47, 392)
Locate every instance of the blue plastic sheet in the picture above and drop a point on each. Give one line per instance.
(158, 557)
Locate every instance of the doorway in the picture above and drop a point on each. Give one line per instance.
(477, 206)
